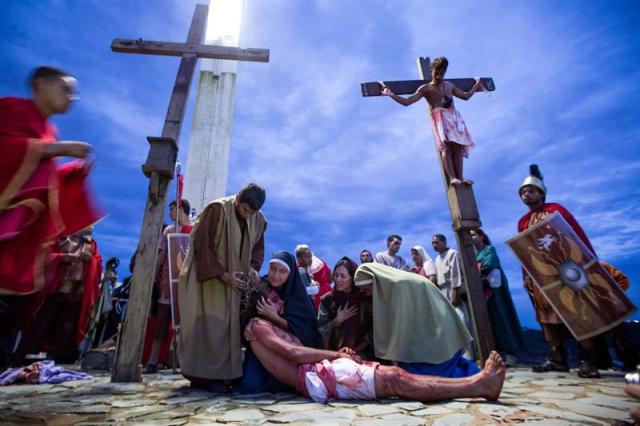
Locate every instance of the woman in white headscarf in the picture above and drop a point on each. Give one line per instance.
(424, 263)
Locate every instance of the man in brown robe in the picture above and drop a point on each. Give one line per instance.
(226, 249)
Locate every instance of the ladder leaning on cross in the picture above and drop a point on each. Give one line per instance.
(462, 206)
(159, 168)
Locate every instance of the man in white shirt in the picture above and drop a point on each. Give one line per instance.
(390, 257)
(449, 278)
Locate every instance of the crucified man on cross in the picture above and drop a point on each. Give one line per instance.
(450, 131)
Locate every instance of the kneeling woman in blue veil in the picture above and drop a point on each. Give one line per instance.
(281, 298)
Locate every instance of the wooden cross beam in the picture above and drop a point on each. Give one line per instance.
(208, 51)
(159, 168)
(463, 209)
(408, 87)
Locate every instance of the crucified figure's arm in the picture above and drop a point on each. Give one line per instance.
(419, 94)
(459, 93)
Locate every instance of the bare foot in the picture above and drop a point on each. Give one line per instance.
(635, 414)
(467, 181)
(455, 182)
(633, 390)
(491, 377)
(491, 360)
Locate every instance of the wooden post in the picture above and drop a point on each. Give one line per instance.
(129, 349)
(465, 216)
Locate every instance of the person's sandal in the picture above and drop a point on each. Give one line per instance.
(510, 360)
(151, 369)
(588, 371)
(548, 366)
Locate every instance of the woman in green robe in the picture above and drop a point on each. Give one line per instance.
(505, 324)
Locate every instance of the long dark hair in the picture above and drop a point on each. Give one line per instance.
(483, 235)
(350, 266)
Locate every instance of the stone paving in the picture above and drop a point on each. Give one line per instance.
(166, 399)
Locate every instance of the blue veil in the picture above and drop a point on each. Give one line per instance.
(303, 323)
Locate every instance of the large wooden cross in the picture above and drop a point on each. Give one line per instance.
(463, 208)
(159, 168)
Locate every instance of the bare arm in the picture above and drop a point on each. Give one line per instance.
(399, 99)
(459, 93)
(264, 333)
(65, 149)
(269, 311)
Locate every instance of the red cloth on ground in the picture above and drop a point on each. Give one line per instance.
(38, 201)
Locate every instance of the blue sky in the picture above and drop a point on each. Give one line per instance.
(341, 171)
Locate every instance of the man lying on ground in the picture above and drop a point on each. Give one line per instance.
(323, 375)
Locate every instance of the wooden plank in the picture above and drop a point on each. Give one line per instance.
(147, 47)
(408, 87)
(475, 295)
(464, 216)
(129, 350)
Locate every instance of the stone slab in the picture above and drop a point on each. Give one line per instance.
(552, 395)
(373, 410)
(456, 419)
(595, 410)
(408, 405)
(620, 403)
(242, 415)
(456, 405)
(292, 408)
(517, 390)
(561, 414)
(401, 419)
(185, 399)
(327, 416)
(497, 410)
(433, 410)
(130, 403)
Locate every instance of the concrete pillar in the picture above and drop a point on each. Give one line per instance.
(210, 139)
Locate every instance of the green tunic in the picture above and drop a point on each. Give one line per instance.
(412, 320)
(505, 325)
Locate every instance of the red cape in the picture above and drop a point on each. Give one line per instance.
(39, 201)
(523, 223)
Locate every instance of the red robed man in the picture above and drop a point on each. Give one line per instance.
(39, 201)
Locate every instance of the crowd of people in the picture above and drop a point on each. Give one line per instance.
(382, 327)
